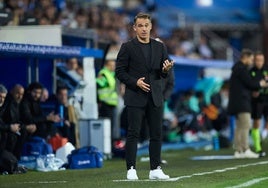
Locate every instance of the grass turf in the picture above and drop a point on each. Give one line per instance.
(179, 164)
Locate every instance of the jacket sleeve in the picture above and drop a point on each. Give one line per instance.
(165, 57)
(248, 81)
(3, 125)
(27, 117)
(169, 83)
(122, 66)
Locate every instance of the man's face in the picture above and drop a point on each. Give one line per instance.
(259, 61)
(143, 27)
(72, 64)
(250, 60)
(18, 94)
(111, 65)
(2, 98)
(62, 96)
(36, 94)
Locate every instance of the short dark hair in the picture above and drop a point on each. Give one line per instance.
(246, 53)
(258, 53)
(34, 85)
(59, 88)
(142, 15)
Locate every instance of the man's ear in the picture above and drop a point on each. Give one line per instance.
(134, 27)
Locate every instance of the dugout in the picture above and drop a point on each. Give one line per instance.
(25, 63)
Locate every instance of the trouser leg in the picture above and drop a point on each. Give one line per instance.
(154, 115)
(243, 121)
(134, 116)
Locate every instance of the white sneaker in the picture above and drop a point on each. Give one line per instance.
(158, 174)
(132, 174)
(250, 154)
(239, 155)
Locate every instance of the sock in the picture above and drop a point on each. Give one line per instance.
(255, 134)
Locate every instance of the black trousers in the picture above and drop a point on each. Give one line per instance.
(108, 111)
(14, 143)
(135, 117)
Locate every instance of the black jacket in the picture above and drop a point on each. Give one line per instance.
(258, 74)
(31, 111)
(131, 66)
(241, 85)
(168, 85)
(11, 113)
(3, 126)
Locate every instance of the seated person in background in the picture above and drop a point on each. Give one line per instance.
(73, 68)
(31, 112)
(220, 100)
(185, 115)
(5, 156)
(68, 124)
(11, 115)
(5, 128)
(70, 74)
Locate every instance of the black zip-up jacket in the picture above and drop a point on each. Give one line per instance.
(241, 86)
(31, 111)
(11, 113)
(258, 74)
(3, 125)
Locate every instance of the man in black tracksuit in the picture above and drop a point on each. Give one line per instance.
(259, 101)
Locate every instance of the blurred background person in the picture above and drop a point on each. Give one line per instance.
(12, 115)
(241, 86)
(67, 127)
(259, 102)
(32, 113)
(5, 129)
(107, 94)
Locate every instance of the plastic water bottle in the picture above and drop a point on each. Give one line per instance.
(50, 161)
(61, 114)
(216, 142)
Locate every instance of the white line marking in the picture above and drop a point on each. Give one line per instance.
(44, 182)
(249, 183)
(201, 173)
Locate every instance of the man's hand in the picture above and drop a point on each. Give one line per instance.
(15, 127)
(167, 65)
(263, 83)
(31, 128)
(144, 86)
(53, 117)
(67, 123)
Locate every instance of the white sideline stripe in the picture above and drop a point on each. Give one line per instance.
(201, 173)
(44, 182)
(249, 183)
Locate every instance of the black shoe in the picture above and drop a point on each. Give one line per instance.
(262, 153)
(20, 170)
(5, 173)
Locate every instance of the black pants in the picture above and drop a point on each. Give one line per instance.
(108, 111)
(14, 143)
(154, 118)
